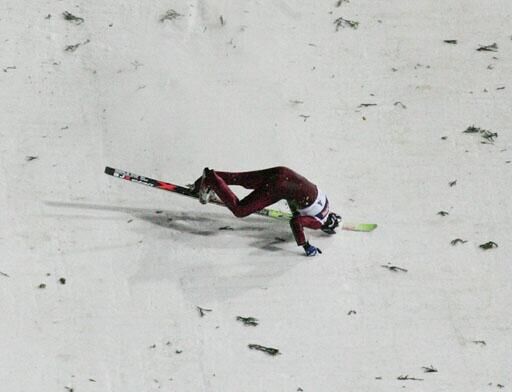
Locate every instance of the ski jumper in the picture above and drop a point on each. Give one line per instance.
(308, 204)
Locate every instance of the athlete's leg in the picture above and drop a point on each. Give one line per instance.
(248, 180)
(255, 201)
(251, 179)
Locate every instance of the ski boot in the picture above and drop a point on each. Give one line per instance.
(205, 192)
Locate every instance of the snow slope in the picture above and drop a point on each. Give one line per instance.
(374, 115)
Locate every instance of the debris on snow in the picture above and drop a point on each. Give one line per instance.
(366, 105)
(406, 377)
(340, 2)
(481, 342)
(202, 311)
(170, 15)
(342, 23)
(443, 213)
(457, 241)
(9, 67)
(250, 321)
(136, 64)
(268, 350)
(398, 103)
(42, 286)
(72, 18)
(489, 245)
(29, 158)
(472, 129)
(421, 66)
(226, 228)
(450, 41)
(62, 281)
(4, 274)
(452, 183)
(394, 268)
(305, 117)
(72, 48)
(351, 312)
(488, 48)
(178, 351)
(429, 369)
(222, 21)
(487, 135)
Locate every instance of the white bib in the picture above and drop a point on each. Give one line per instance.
(319, 209)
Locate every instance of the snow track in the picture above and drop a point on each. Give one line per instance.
(101, 280)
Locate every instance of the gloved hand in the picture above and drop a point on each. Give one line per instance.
(311, 250)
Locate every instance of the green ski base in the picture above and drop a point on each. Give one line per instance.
(276, 214)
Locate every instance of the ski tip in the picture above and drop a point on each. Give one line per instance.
(365, 227)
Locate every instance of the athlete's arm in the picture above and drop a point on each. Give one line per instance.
(298, 222)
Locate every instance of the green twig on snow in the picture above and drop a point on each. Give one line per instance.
(72, 18)
(170, 15)
(489, 245)
(250, 321)
(341, 23)
(268, 350)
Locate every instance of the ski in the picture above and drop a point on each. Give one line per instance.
(184, 191)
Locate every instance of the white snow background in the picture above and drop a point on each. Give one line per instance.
(101, 279)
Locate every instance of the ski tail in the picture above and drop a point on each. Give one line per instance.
(158, 184)
(125, 175)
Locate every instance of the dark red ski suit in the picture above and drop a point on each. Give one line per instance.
(269, 186)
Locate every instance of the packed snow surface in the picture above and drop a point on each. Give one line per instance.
(111, 286)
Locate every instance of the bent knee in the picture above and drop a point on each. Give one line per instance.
(282, 170)
(240, 213)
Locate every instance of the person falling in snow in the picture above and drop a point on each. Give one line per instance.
(309, 205)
